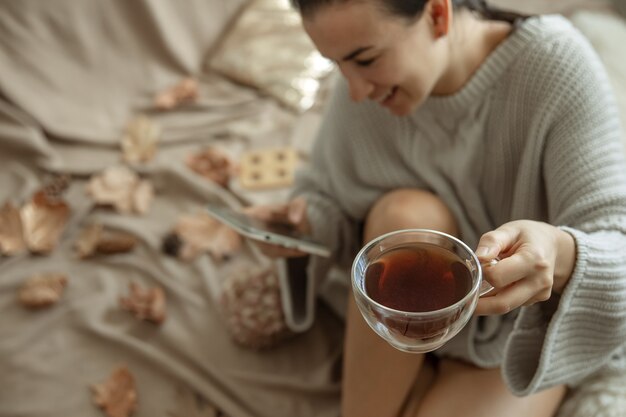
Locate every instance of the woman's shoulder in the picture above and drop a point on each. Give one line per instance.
(555, 56)
(553, 42)
(548, 28)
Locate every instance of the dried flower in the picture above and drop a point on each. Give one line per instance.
(148, 304)
(202, 233)
(42, 290)
(186, 91)
(11, 230)
(121, 188)
(117, 395)
(85, 244)
(115, 242)
(95, 239)
(139, 143)
(43, 220)
(212, 164)
(39, 223)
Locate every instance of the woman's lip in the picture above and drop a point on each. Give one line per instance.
(382, 97)
(390, 97)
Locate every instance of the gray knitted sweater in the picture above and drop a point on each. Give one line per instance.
(534, 134)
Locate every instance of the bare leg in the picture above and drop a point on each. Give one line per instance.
(462, 389)
(376, 377)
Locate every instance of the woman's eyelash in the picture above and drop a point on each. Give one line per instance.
(365, 62)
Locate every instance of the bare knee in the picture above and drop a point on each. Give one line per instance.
(409, 209)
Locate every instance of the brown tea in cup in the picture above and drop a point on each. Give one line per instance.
(418, 277)
(417, 288)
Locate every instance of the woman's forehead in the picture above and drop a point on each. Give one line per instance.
(348, 23)
(358, 20)
(360, 15)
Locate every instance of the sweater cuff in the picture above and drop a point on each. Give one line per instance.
(320, 214)
(542, 351)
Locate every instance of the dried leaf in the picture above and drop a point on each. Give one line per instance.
(117, 396)
(11, 231)
(148, 304)
(114, 186)
(202, 233)
(43, 220)
(42, 290)
(95, 239)
(212, 164)
(191, 404)
(186, 91)
(115, 242)
(139, 143)
(121, 188)
(143, 196)
(87, 241)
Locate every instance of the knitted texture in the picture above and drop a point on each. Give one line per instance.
(534, 134)
(600, 396)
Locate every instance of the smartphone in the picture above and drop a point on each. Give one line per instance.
(275, 233)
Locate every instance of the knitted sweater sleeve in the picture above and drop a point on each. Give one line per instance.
(584, 172)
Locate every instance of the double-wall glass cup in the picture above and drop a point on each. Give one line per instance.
(427, 329)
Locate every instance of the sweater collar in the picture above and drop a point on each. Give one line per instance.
(488, 73)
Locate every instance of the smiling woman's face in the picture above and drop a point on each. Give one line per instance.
(383, 57)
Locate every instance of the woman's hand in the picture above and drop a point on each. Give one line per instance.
(292, 214)
(537, 259)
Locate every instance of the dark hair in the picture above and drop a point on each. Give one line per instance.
(411, 9)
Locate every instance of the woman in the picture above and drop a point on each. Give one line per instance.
(498, 130)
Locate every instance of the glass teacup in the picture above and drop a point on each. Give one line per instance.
(417, 288)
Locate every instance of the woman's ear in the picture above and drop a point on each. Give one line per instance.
(441, 15)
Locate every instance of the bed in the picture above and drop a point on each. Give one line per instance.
(76, 77)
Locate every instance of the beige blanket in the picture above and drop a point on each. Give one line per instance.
(72, 75)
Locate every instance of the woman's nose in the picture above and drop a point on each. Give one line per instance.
(360, 88)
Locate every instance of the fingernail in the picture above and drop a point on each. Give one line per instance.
(482, 251)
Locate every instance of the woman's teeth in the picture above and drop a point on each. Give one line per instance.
(383, 98)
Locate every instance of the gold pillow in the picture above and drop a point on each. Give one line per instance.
(268, 49)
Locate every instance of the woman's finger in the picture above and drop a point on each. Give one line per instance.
(493, 244)
(509, 270)
(268, 213)
(506, 300)
(297, 210)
